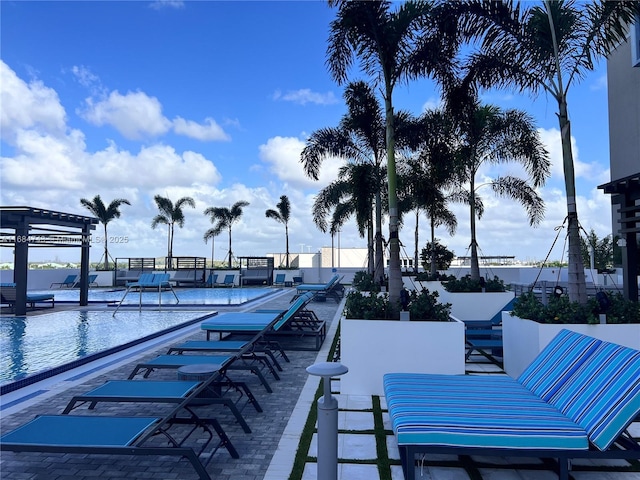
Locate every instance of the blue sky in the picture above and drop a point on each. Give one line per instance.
(215, 100)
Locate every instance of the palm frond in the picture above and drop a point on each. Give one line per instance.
(520, 191)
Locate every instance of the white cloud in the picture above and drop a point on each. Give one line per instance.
(67, 170)
(208, 132)
(432, 103)
(599, 83)
(27, 105)
(305, 95)
(85, 76)
(160, 4)
(135, 115)
(282, 155)
(590, 171)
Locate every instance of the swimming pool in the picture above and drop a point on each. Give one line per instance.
(40, 346)
(190, 296)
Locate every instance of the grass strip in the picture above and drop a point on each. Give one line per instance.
(310, 425)
(384, 466)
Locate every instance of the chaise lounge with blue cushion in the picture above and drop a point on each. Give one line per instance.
(228, 281)
(213, 391)
(333, 288)
(118, 435)
(68, 282)
(294, 323)
(8, 296)
(575, 400)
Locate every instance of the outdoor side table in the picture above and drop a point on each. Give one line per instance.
(199, 372)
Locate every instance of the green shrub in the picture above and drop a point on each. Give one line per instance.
(422, 306)
(425, 306)
(465, 284)
(561, 310)
(427, 277)
(364, 282)
(369, 307)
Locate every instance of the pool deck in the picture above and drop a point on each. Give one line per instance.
(268, 452)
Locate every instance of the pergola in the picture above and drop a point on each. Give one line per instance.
(626, 194)
(37, 227)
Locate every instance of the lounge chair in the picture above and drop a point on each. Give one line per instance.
(333, 288)
(188, 277)
(214, 391)
(235, 323)
(224, 363)
(91, 281)
(296, 322)
(8, 296)
(280, 279)
(483, 337)
(211, 280)
(229, 281)
(113, 435)
(155, 281)
(575, 400)
(68, 282)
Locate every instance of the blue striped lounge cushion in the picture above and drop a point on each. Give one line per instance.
(603, 395)
(475, 411)
(557, 362)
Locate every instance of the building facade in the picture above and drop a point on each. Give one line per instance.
(623, 78)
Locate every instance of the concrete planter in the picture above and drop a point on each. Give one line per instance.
(523, 339)
(476, 305)
(371, 348)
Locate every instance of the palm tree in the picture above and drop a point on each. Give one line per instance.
(428, 174)
(282, 215)
(547, 47)
(169, 215)
(352, 194)
(359, 138)
(225, 217)
(490, 135)
(105, 215)
(392, 46)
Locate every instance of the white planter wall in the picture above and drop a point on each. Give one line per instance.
(523, 339)
(371, 348)
(476, 305)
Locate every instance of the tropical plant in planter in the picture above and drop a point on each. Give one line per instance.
(560, 310)
(425, 306)
(364, 282)
(467, 284)
(422, 306)
(369, 307)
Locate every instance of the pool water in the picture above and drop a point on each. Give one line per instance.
(36, 344)
(191, 296)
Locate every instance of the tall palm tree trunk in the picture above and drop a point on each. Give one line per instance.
(395, 275)
(415, 252)
(475, 267)
(434, 265)
(576, 281)
(286, 234)
(378, 271)
(106, 249)
(230, 252)
(371, 262)
(169, 245)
